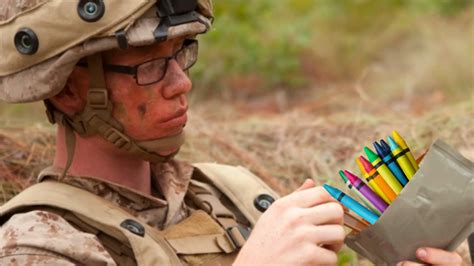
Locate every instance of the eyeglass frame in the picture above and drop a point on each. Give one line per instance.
(133, 69)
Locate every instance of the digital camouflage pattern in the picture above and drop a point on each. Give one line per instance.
(45, 238)
(10, 8)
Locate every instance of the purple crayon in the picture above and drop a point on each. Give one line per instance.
(366, 191)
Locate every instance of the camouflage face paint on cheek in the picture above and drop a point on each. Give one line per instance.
(142, 109)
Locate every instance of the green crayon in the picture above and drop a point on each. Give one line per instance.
(383, 171)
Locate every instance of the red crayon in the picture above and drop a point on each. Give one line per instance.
(366, 191)
(374, 176)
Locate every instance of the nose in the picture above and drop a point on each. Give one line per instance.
(175, 82)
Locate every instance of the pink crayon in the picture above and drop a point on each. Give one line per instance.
(366, 191)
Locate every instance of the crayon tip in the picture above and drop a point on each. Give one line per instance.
(398, 138)
(370, 154)
(353, 178)
(367, 165)
(385, 146)
(392, 143)
(334, 192)
(379, 149)
(361, 167)
(341, 173)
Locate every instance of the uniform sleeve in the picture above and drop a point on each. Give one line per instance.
(44, 238)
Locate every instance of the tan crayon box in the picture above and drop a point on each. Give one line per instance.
(435, 209)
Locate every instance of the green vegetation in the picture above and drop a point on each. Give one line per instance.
(266, 44)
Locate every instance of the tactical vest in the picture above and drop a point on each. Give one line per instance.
(210, 235)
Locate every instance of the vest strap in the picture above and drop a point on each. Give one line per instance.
(103, 218)
(238, 184)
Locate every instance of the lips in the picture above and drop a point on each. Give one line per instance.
(178, 114)
(176, 122)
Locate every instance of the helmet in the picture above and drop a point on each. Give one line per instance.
(43, 40)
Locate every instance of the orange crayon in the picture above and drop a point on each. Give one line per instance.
(371, 183)
(419, 159)
(387, 193)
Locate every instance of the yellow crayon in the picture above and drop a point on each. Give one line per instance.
(401, 158)
(383, 171)
(402, 143)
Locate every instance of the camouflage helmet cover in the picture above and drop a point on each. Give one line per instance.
(64, 37)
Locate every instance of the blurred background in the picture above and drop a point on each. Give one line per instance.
(295, 89)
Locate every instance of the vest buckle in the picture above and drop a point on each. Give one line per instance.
(238, 234)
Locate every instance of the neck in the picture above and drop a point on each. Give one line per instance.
(95, 157)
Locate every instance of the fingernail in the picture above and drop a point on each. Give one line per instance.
(400, 263)
(421, 253)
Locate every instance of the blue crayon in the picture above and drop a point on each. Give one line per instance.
(384, 152)
(351, 204)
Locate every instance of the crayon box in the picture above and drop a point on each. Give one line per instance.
(435, 209)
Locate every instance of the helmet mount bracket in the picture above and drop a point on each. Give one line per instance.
(173, 13)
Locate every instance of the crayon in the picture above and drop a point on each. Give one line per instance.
(384, 152)
(402, 159)
(366, 191)
(366, 202)
(419, 159)
(372, 184)
(402, 143)
(356, 224)
(351, 204)
(387, 193)
(383, 170)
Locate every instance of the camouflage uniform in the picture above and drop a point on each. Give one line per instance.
(40, 57)
(40, 237)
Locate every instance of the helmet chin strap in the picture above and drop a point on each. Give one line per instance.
(96, 119)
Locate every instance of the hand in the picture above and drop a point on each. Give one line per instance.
(434, 256)
(304, 227)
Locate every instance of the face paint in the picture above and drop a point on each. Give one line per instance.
(153, 111)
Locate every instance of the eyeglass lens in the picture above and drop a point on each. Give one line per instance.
(153, 71)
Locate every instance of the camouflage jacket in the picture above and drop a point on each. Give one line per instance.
(43, 238)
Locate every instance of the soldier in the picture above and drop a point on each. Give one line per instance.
(112, 74)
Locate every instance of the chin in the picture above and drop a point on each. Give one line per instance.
(168, 152)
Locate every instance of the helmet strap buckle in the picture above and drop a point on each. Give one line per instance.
(97, 98)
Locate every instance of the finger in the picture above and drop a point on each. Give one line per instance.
(326, 234)
(325, 213)
(308, 183)
(334, 247)
(331, 234)
(308, 197)
(326, 256)
(437, 256)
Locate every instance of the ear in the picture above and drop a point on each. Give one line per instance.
(72, 97)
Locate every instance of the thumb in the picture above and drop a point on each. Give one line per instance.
(308, 183)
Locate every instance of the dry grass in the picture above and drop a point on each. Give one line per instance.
(282, 141)
(316, 138)
(311, 139)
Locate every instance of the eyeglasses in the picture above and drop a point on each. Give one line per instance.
(154, 70)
